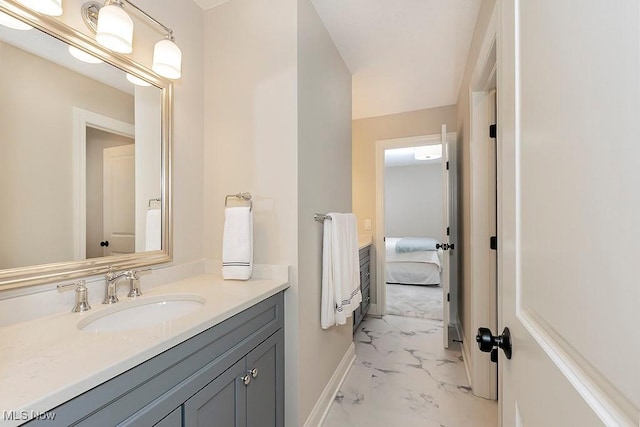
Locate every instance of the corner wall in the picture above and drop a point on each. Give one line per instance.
(278, 108)
(324, 185)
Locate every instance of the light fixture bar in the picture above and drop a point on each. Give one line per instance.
(151, 18)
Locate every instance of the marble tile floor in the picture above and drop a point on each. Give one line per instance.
(403, 376)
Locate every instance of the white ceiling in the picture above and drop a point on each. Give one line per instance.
(405, 55)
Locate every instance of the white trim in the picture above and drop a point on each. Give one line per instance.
(81, 120)
(605, 403)
(466, 358)
(209, 4)
(484, 310)
(379, 307)
(322, 406)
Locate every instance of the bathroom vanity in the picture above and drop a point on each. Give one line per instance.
(222, 364)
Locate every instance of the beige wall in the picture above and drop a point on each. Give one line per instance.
(364, 136)
(324, 185)
(413, 201)
(464, 201)
(36, 165)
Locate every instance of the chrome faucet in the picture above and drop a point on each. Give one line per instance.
(111, 289)
(111, 281)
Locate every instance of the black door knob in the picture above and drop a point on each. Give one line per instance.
(105, 243)
(488, 342)
(444, 246)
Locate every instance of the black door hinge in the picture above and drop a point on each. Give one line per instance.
(447, 165)
(384, 239)
(448, 297)
(493, 243)
(493, 131)
(447, 231)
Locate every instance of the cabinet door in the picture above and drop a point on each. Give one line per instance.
(265, 393)
(174, 419)
(221, 403)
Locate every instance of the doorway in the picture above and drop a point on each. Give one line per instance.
(413, 227)
(447, 256)
(87, 124)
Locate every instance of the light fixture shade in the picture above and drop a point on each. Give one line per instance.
(48, 7)
(428, 152)
(83, 56)
(11, 22)
(115, 29)
(167, 59)
(137, 81)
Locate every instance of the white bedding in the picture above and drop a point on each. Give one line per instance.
(416, 268)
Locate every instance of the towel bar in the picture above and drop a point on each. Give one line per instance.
(321, 217)
(242, 196)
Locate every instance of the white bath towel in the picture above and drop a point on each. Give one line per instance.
(153, 230)
(340, 270)
(237, 243)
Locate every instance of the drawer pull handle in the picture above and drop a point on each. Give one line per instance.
(246, 379)
(254, 372)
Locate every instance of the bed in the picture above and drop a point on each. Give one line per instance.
(412, 261)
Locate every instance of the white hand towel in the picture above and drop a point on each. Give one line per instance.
(153, 230)
(340, 270)
(237, 243)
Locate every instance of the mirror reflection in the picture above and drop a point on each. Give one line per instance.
(81, 163)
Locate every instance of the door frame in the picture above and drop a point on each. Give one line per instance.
(82, 119)
(483, 373)
(380, 305)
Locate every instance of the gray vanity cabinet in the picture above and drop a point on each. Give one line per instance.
(245, 395)
(365, 286)
(199, 382)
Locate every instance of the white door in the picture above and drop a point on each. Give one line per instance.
(569, 213)
(446, 200)
(119, 199)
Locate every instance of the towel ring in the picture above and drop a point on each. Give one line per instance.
(242, 196)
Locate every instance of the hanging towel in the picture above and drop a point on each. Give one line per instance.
(237, 243)
(340, 270)
(153, 231)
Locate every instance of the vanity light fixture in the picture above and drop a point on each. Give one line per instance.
(83, 56)
(137, 81)
(47, 7)
(114, 30)
(13, 23)
(428, 152)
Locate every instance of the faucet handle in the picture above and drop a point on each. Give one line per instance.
(82, 295)
(134, 282)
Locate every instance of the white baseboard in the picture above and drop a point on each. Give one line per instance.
(466, 356)
(321, 408)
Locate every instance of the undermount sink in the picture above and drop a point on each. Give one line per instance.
(141, 313)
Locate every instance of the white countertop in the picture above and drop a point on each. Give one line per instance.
(47, 361)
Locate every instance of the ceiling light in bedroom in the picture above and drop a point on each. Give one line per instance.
(428, 152)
